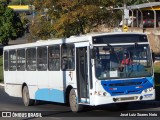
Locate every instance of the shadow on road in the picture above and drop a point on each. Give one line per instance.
(109, 110)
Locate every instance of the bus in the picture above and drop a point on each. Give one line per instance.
(81, 70)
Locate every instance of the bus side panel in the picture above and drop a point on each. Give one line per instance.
(12, 86)
(30, 78)
(51, 89)
(13, 90)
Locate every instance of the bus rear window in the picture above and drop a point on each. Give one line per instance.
(5, 60)
(12, 60)
(31, 59)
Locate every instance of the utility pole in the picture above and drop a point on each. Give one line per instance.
(126, 13)
(126, 16)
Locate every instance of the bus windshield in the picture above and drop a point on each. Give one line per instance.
(122, 61)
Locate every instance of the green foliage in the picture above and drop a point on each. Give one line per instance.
(81, 17)
(41, 30)
(22, 2)
(132, 2)
(10, 25)
(4, 1)
(76, 17)
(24, 19)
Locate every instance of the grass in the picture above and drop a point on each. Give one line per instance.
(1, 68)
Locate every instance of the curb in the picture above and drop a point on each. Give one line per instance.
(1, 84)
(149, 102)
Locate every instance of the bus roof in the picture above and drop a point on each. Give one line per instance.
(72, 39)
(113, 33)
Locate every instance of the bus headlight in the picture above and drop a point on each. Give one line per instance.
(148, 90)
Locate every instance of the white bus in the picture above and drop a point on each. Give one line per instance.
(83, 70)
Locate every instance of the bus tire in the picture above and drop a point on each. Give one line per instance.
(26, 98)
(75, 107)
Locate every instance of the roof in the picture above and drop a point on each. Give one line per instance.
(141, 6)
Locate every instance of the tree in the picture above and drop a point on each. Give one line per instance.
(74, 17)
(22, 2)
(5, 1)
(10, 24)
(132, 2)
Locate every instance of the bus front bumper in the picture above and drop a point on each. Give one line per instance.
(100, 100)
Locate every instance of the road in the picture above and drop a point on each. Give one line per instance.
(62, 112)
(20, 40)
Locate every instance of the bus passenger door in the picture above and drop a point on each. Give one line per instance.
(82, 64)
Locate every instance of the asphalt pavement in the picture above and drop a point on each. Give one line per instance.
(49, 110)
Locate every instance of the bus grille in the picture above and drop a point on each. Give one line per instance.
(125, 84)
(127, 98)
(126, 92)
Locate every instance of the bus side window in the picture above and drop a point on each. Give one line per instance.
(12, 60)
(68, 57)
(42, 58)
(21, 60)
(5, 60)
(31, 59)
(54, 58)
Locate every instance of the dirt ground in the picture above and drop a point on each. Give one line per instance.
(157, 64)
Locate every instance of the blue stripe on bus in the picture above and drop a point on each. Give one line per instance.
(150, 79)
(52, 95)
(126, 87)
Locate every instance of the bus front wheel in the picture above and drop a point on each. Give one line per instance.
(75, 107)
(26, 99)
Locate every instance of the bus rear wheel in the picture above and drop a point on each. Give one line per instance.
(26, 98)
(75, 107)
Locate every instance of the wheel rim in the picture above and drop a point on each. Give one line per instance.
(73, 102)
(25, 96)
